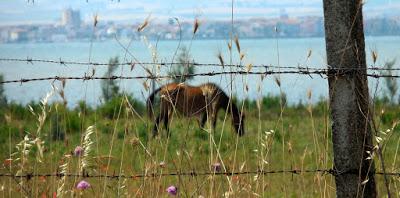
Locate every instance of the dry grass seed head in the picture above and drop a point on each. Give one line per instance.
(144, 24)
(87, 148)
(242, 56)
(290, 147)
(95, 20)
(145, 85)
(63, 82)
(236, 39)
(309, 54)
(309, 94)
(220, 58)
(196, 26)
(64, 170)
(248, 67)
(132, 65)
(374, 55)
(229, 46)
(277, 81)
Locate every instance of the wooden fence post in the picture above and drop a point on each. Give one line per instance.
(349, 99)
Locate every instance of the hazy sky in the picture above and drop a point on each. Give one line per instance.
(49, 11)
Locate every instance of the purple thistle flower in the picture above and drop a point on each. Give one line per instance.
(172, 190)
(216, 167)
(78, 151)
(82, 185)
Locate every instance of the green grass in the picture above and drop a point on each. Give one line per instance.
(122, 144)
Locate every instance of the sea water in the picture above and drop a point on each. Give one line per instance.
(275, 52)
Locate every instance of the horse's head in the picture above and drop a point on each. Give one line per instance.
(238, 123)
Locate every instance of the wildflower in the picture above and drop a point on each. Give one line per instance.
(78, 151)
(8, 162)
(216, 167)
(82, 185)
(134, 141)
(172, 190)
(162, 164)
(227, 194)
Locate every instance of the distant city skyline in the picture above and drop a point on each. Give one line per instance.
(19, 12)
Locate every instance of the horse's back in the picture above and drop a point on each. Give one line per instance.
(188, 100)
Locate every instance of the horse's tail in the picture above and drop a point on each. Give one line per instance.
(150, 101)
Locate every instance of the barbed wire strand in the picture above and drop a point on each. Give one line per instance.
(65, 63)
(320, 72)
(191, 173)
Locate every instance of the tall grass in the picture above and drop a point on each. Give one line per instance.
(188, 149)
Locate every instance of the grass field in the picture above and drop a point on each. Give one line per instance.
(278, 137)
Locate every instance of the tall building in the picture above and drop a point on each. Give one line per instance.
(283, 15)
(71, 18)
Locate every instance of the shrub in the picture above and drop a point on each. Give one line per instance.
(185, 66)
(273, 102)
(110, 109)
(83, 108)
(110, 88)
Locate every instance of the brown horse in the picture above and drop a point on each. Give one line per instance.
(202, 102)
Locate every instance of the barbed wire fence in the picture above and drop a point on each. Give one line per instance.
(376, 72)
(332, 172)
(373, 72)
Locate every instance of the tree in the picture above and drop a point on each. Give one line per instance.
(184, 67)
(110, 88)
(391, 83)
(349, 99)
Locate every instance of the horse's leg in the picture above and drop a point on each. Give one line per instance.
(214, 121)
(165, 118)
(214, 112)
(166, 124)
(203, 119)
(214, 118)
(155, 128)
